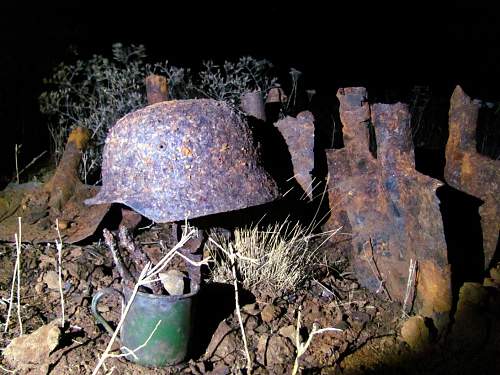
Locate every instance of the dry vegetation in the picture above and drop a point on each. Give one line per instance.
(276, 260)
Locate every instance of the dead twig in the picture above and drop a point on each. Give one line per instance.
(128, 351)
(120, 266)
(16, 276)
(138, 257)
(410, 288)
(16, 152)
(7, 370)
(238, 311)
(376, 271)
(33, 161)
(59, 245)
(232, 258)
(302, 346)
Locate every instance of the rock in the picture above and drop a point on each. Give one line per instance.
(495, 274)
(251, 309)
(433, 289)
(262, 348)
(251, 323)
(201, 367)
(489, 282)
(472, 326)
(39, 287)
(34, 348)
(471, 295)
(360, 316)
(494, 303)
(193, 244)
(289, 332)
(279, 351)
(46, 260)
(103, 308)
(51, 278)
(270, 312)
(263, 328)
(225, 341)
(76, 252)
(173, 282)
(415, 333)
(73, 269)
(63, 224)
(193, 368)
(343, 325)
(220, 369)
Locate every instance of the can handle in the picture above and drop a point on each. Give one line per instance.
(95, 301)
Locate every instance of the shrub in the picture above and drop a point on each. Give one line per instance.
(95, 93)
(273, 261)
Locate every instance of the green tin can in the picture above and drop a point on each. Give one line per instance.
(170, 341)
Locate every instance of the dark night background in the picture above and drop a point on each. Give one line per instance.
(387, 49)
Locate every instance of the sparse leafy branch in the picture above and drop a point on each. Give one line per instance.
(95, 93)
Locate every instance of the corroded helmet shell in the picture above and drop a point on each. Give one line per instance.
(183, 159)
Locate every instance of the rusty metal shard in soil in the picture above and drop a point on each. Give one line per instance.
(62, 197)
(390, 208)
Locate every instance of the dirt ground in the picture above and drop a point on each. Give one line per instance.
(370, 341)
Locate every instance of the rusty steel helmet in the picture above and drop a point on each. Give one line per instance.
(183, 159)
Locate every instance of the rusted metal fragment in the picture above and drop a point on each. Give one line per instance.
(299, 137)
(60, 198)
(471, 172)
(65, 181)
(392, 210)
(130, 218)
(252, 103)
(183, 159)
(156, 88)
(276, 95)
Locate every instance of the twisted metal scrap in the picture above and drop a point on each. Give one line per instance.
(60, 198)
(183, 159)
(392, 210)
(468, 171)
(299, 137)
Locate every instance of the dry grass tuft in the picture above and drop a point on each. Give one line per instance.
(278, 259)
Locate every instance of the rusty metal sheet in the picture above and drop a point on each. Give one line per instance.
(391, 209)
(156, 88)
(252, 104)
(299, 137)
(471, 172)
(183, 159)
(60, 198)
